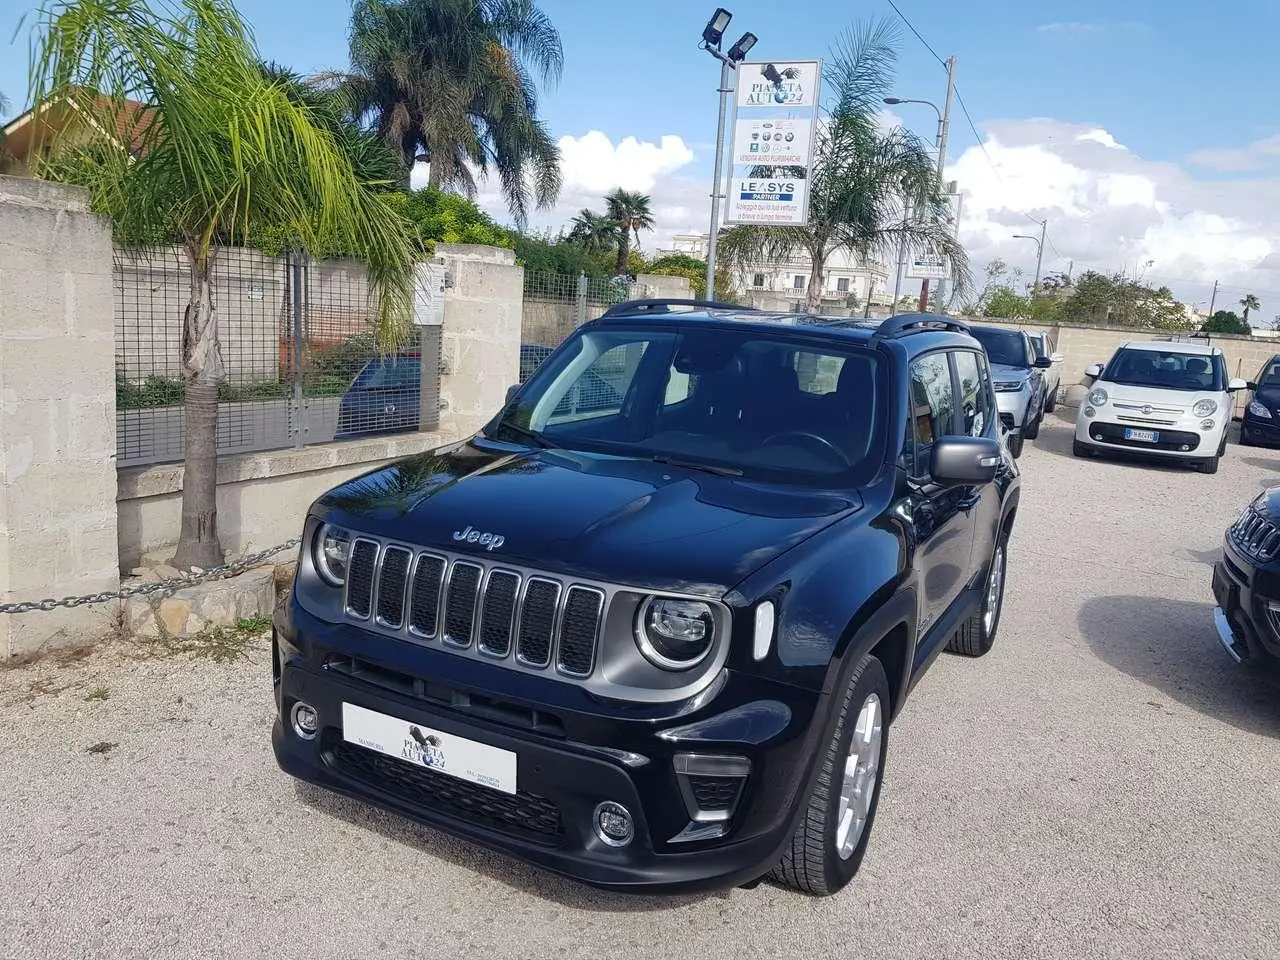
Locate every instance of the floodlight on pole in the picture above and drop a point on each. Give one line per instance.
(738, 52)
(716, 26)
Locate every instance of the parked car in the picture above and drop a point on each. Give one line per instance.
(1260, 422)
(1044, 347)
(1159, 398)
(1246, 583)
(1020, 391)
(662, 646)
(383, 397)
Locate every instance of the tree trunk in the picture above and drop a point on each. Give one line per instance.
(198, 543)
(624, 254)
(813, 296)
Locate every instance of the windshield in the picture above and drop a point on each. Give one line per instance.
(397, 372)
(1166, 369)
(776, 407)
(1270, 375)
(1004, 346)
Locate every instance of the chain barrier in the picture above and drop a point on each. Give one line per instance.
(156, 586)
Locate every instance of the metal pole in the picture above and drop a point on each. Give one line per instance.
(725, 67)
(944, 129)
(1213, 298)
(297, 346)
(902, 255)
(1035, 286)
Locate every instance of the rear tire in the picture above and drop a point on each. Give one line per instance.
(822, 858)
(977, 635)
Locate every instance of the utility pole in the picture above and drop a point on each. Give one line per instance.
(726, 66)
(1035, 286)
(944, 128)
(902, 254)
(1213, 298)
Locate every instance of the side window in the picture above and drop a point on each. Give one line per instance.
(932, 411)
(598, 391)
(975, 395)
(680, 386)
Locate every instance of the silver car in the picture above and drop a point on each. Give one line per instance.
(1044, 346)
(1015, 368)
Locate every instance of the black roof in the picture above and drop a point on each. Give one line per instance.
(712, 311)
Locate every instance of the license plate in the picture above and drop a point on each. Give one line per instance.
(1146, 436)
(433, 749)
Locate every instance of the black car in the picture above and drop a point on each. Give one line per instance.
(658, 644)
(1246, 582)
(1260, 422)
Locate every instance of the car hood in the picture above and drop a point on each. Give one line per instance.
(649, 525)
(1179, 400)
(1009, 373)
(1267, 503)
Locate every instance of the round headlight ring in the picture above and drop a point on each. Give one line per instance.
(659, 646)
(1098, 397)
(1205, 408)
(330, 558)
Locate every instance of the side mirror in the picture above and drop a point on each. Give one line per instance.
(512, 391)
(965, 461)
(1093, 370)
(1235, 383)
(1251, 385)
(1044, 363)
(1057, 358)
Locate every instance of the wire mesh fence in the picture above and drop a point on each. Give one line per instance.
(555, 304)
(298, 341)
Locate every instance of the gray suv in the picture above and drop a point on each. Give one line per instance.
(1020, 388)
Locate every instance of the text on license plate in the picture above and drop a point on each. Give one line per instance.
(1146, 436)
(433, 749)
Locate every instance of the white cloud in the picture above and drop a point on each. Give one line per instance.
(1260, 155)
(1079, 28)
(1111, 210)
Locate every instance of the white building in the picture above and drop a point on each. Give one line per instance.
(847, 280)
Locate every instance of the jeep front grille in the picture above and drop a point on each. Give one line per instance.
(466, 604)
(1256, 535)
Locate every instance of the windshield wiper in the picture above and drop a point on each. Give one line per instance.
(532, 436)
(694, 465)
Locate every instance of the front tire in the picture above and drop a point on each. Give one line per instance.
(1209, 465)
(1032, 428)
(1015, 446)
(827, 848)
(1051, 401)
(1081, 449)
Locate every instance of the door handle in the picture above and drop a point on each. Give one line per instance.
(971, 500)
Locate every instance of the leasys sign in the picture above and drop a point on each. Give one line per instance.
(774, 124)
(927, 266)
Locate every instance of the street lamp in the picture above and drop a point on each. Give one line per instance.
(712, 35)
(1039, 242)
(944, 128)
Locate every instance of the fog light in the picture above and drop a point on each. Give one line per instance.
(613, 824)
(1206, 424)
(305, 720)
(1186, 447)
(1089, 411)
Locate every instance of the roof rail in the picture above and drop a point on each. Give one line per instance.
(631, 308)
(905, 323)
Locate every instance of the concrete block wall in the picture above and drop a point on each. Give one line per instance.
(57, 412)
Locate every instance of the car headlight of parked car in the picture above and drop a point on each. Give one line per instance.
(1258, 410)
(1205, 408)
(675, 634)
(1009, 386)
(332, 552)
(1098, 397)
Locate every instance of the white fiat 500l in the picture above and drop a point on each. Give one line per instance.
(1166, 399)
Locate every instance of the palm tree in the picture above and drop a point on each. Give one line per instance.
(1249, 302)
(450, 82)
(630, 211)
(228, 152)
(862, 182)
(594, 232)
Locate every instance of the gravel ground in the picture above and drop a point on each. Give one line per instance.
(1104, 784)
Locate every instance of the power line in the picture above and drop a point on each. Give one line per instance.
(911, 27)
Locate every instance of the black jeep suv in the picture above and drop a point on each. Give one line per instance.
(655, 639)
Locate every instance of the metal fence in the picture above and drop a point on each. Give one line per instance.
(298, 343)
(555, 304)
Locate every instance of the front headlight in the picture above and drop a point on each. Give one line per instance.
(1009, 386)
(1098, 397)
(1205, 408)
(1258, 410)
(675, 634)
(332, 553)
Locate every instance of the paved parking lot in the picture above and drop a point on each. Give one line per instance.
(1105, 784)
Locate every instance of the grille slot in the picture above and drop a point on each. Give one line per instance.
(577, 649)
(460, 603)
(364, 557)
(538, 622)
(1256, 535)
(498, 612)
(715, 793)
(393, 578)
(425, 604)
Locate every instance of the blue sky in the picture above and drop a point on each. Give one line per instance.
(1164, 80)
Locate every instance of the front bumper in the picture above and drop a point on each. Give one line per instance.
(573, 752)
(1183, 440)
(1257, 430)
(1011, 405)
(1247, 624)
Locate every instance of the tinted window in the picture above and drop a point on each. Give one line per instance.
(975, 396)
(1166, 369)
(932, 413)
(1270, 374)
(1004, 346)
(761, 404)
(390, 373)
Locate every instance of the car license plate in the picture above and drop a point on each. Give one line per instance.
(433, 749)
(1146, 436)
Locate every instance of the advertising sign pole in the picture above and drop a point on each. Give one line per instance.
(726, 66)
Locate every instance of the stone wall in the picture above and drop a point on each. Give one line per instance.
(57, 412)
